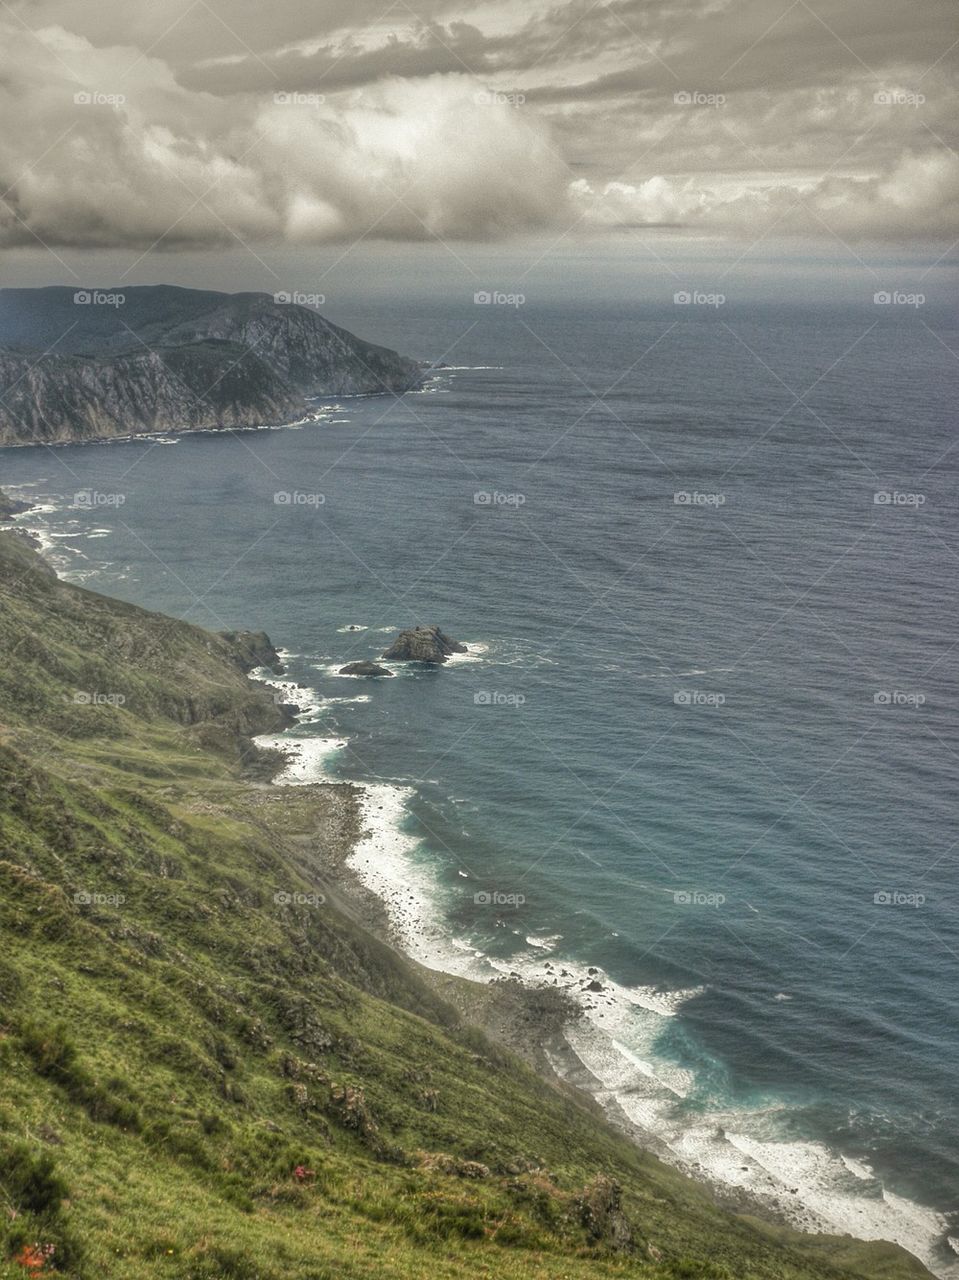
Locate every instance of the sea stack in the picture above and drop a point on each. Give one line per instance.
(364, 669)
(423, 644)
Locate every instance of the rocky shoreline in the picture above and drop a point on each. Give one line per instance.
(12, 507)
(524, 1018)
(328, 821)
(528, 1016)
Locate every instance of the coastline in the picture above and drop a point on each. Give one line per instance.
(172, 434)
(368, 868)
(549, 1028)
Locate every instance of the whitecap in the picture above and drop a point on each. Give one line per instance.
(307, 757)
(475, 652)
(546, 943)
(613, 1049)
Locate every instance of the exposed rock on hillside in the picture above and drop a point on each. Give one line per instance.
(254, 649)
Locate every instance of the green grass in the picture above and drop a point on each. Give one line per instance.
(200, 1083)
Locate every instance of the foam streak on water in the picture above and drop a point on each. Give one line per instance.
(814, 1188)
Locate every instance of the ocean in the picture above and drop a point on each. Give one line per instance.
(699, 765)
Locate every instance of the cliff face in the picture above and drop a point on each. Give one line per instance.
(173, 360)
(71, 398)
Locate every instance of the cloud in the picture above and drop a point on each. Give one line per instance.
(915, 198)
(126, 156)
(411, 131)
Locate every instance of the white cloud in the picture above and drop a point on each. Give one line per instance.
(146, 159)
(915, 197)
(160, 158)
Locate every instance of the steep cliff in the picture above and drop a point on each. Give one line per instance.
(95, 364)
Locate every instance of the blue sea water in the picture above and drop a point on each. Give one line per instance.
(707, 732)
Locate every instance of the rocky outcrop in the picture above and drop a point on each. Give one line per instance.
(253, 649)
(55, 400)
(10, 507)
(601, 1213)
(423, 644)
(364, 669)
(173, 360)
(455, 1166)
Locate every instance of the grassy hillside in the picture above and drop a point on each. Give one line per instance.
(209, 1070)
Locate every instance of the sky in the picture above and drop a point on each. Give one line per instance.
(219, 141)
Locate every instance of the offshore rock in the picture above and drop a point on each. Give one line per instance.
(364, 669)
(423, 644)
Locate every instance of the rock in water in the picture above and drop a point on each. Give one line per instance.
(364, 669)
(10, 507)
(423, 644)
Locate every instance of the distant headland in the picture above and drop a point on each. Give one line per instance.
(101, 364)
